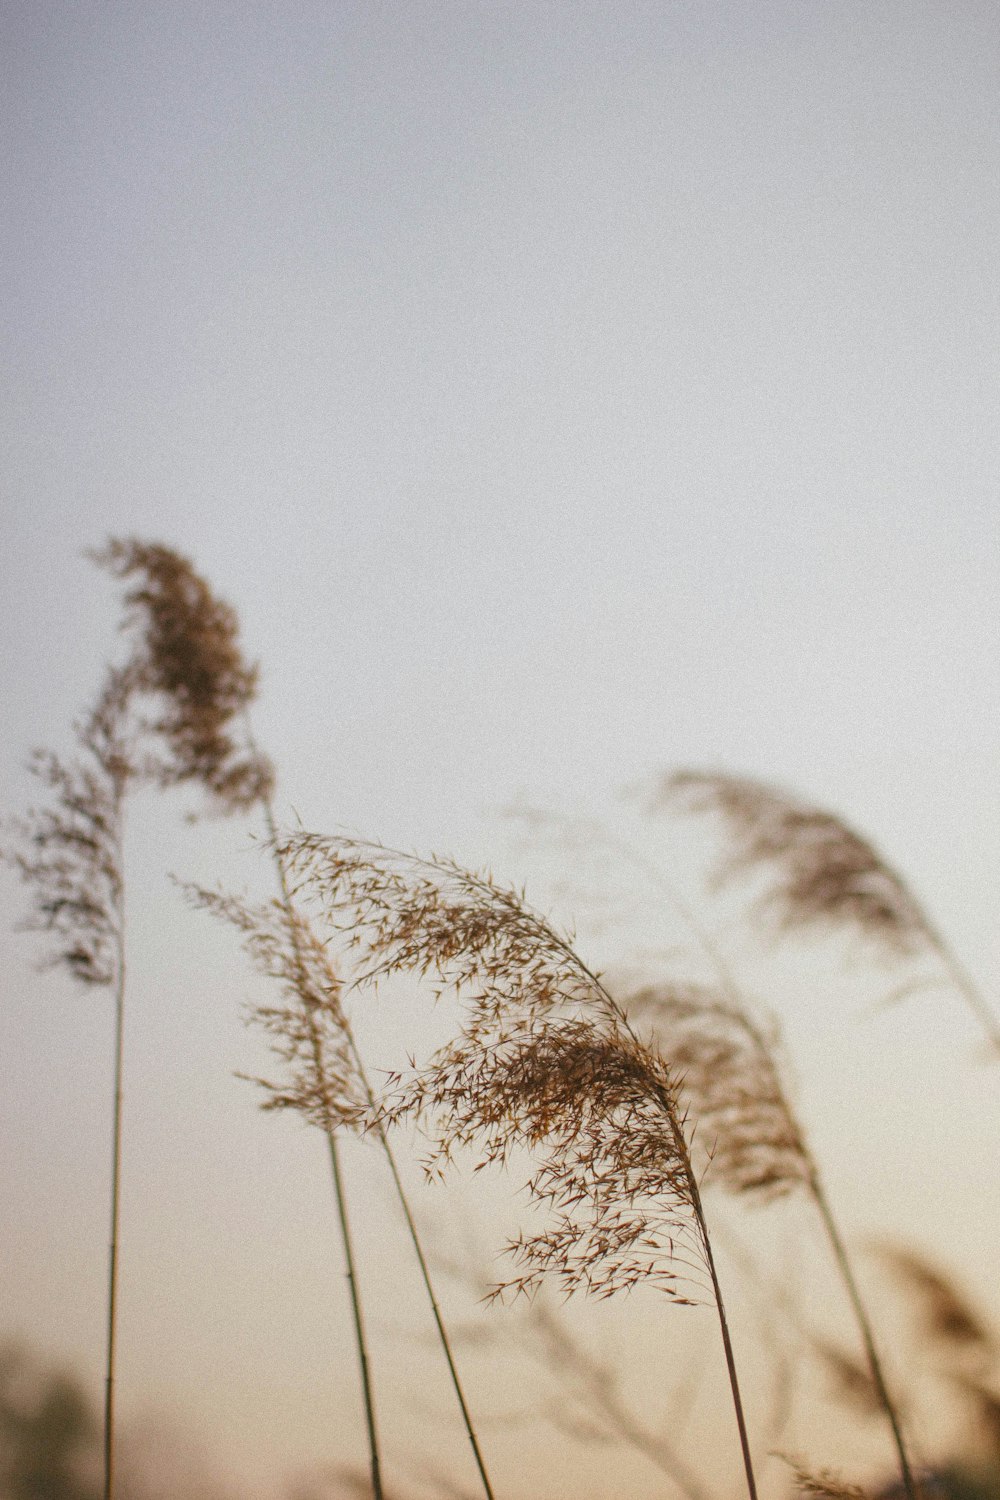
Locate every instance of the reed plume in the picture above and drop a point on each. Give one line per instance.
(545, 1060)
(748, 1137)
(70, 852)
(186, 657)
(823, 1484)
(308, 1029)
(821, 873)
(751, 1140)
(947, 1319)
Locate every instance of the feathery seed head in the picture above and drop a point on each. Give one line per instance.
(308, 1030)
(545, 1062)
(823, 873)
(69, 853)
(186, 655)
(727, 1069)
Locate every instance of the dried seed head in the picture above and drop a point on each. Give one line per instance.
(850, 1380)
(70, 852)
(822, 872)
(545, 1062)
(727, 1072)
(308, 1030)
(186, 656)
(823, 1484)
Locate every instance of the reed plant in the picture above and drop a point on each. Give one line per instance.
(186, 652)
(163, 717)
(70, 853)
(729, 1060)
(545, 1059)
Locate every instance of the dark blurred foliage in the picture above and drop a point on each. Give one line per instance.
(955, 1481)
(48, 1432)
(50, 1443)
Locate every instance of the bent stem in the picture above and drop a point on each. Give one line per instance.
(720, 1307)
(359, 1326)
(670, 1111)
(865, 1329)
(428, 1285)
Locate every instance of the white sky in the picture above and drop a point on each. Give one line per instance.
(559, 392)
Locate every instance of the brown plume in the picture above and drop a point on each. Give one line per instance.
(186, 656)
(822, 872)
(728, 1074)
(946, 1317)
(70, 852)
(544, 1061)
(823, 1484)
(308, 1030)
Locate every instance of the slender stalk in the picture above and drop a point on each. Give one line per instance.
(359, 1327)
(727, 1343)
(116, 1141)
(268, 810)
(338, 1187)
(865, 1329)
(429, 1286)
(967, 988)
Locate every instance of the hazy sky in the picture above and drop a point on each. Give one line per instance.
(560, 392)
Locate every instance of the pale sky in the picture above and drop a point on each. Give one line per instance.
(560, 392)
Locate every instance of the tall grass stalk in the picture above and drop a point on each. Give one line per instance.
(116, 1149)
(328, 1125)
(187, 663)
(70, 853)
(546, 1058)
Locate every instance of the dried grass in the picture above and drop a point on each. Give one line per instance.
(545, 1061)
